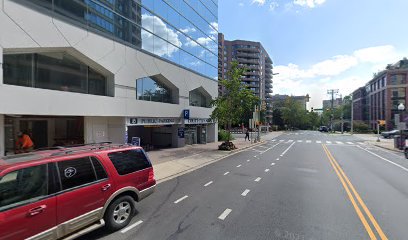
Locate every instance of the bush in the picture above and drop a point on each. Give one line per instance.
(361, 127)
(224, 135)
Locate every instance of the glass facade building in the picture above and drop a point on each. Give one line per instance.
(184, 32)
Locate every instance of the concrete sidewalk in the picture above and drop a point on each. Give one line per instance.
(170, 163)
(372, 140)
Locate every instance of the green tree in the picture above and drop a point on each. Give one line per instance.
(293, 114)
(236, 101)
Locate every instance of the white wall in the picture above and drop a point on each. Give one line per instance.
(96, 129)
(30, 31)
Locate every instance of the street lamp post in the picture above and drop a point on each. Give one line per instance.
(401, 108)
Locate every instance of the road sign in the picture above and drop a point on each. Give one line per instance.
(136, 141)
(381, 122)
(180, 132)
(186, 113)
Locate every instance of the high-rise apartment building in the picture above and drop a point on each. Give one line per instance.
(255, 59)
(83, 71)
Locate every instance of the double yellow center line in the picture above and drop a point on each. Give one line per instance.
(353, 195)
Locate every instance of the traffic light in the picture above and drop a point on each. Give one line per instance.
(312, 110)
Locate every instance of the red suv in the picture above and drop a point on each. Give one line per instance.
(67, 192)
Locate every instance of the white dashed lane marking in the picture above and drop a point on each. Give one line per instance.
(267, 170)
(225, 214)
(208, 184)
(180, 199)
(244, 193)
(239, 165)
(132, 226)
(272, 164)
(257, 179)
(226, 173)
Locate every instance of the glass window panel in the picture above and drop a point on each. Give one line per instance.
(17, 69)
(130, 161)
(72, 9)
(96, 83)
(76, 172)
(160, 9)
(58, 71)
(23, 186)
(173, 18)
(148, 89)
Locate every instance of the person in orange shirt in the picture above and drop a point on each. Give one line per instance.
(24, 143)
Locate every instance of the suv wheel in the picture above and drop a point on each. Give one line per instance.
(119, 213)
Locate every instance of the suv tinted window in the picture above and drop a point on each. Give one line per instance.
(76, 172)
(23, 186)
(129, 161)
(99, 170)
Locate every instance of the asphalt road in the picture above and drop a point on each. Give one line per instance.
(299, 186)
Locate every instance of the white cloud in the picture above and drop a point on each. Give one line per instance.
(273, 5)
(343, 72)
(155, 44)
(259, 2)
(376, 54)
(241, 4)
(188, 30)
(309, 3)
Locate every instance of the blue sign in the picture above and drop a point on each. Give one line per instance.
(186, 113)
(136, 141)
(181, 132)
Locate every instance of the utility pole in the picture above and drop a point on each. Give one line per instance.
(332, 92)
(352, 115)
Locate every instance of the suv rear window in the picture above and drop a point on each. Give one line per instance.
(129, 161)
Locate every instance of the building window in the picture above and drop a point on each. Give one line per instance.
(148, 89)
(398, 93)
(200, 98)
(398, 79)
(54, 71)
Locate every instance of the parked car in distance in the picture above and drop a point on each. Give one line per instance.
(323, 129)
(68, 192)
(390, 134)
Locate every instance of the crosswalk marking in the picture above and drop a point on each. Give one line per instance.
(360, 143)
(318, 141)
(328, 142)
(299, 140)
(308, 141)
(273, 140)
(338, 142)
(350, 143)
(290, 141)
(281, 140)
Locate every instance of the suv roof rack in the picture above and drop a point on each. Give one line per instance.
(83, 147)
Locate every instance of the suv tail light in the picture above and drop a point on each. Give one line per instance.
(151, 175)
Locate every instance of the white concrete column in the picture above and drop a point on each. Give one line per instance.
(2, 148)
(95, 129)
(117, 129)
(212, 132)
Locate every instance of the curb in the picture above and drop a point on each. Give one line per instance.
(233, 152)
(390, 149)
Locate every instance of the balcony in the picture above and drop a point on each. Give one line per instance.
(249, 79)
(268, 90)
(252, 73)
(268, 85)
(268, 80)
(246, 60)
(247, 49)
(247, 55)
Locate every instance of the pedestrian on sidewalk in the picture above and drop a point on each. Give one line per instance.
(247, 134)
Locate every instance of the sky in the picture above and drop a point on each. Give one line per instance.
(318, 45)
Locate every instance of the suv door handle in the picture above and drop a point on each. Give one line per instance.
(37, 210)
(106, 187)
